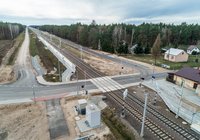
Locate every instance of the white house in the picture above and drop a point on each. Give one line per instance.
(192, 48)
(176, 55)
(131, 49)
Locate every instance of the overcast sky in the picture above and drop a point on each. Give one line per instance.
(31, 12)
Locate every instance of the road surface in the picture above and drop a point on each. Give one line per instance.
(26, 84)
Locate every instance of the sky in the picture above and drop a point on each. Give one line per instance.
(60, 12)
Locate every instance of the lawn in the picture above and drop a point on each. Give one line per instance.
(173, 65)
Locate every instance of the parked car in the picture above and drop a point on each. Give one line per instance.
(165, 66)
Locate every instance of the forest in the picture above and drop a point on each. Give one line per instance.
(116, 38)
(9, 31)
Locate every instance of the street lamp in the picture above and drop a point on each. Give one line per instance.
(59, 68)
(85, 80)
(33, 89)
(142, 79)
(81, 49)
(153, 70)
(77, 80)
(125, 94)
(179, 105)
(144, 115)
(193, 114)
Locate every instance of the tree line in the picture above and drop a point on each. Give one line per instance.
(117, 38)
(9, 31)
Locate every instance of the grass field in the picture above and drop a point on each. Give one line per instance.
(48, 59)
(5, 46)
(173, 65)
(118, 129)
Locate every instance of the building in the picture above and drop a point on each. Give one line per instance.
(131, 49)
(176, 55)
(93, 115)
(189, 77)
(82, 103)
(192, 48)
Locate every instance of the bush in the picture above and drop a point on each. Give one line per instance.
(119, 130)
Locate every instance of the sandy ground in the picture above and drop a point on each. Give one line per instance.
(156, 68)
(23, 55)
(68, 109)
(107, 66)
(6, 71)
(24, 122)
(6, 74)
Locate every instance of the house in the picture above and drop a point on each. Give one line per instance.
(131, 49)
(192, 48)
(188, 77)
(176, 55)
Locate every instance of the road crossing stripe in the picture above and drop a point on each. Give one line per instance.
(106, 84)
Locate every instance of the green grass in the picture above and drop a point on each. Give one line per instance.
(33, 49)
(47, 58)
(17, 44)
(173, 65)
(118, 129)
(51, 77)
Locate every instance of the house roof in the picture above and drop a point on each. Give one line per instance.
(174, 51)
(189, 73)
(191, 47)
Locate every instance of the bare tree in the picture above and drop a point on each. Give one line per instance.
(156, 48)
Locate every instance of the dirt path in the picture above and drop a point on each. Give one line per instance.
(57, 125)
(156, 68)
(23, 122)
(108, 67)
(23, 54)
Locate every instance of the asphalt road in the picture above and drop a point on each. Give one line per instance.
(26, 84)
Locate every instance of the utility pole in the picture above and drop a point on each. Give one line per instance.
(50, 37)
(144, 115)
(81, 52)
(122, 67)
(125, 94)
(142, 80)
(125, 34)
(59, 61)
(33, 90)
(77, 80)
(11, 34)
(132, 38)
(153, 71)
(33, 93)
(179, 105)
(85, 80)
(99, 45)
(193, 114)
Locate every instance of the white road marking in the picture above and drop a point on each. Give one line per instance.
(106, 84)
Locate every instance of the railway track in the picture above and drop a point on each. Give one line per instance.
(186, 134)
(159, 132)
(154, 128)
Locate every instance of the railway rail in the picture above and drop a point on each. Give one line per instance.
(149, 124)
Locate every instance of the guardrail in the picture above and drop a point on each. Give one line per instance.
(71, 68)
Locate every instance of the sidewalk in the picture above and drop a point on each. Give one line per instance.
(189, 106)
(41, 80)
